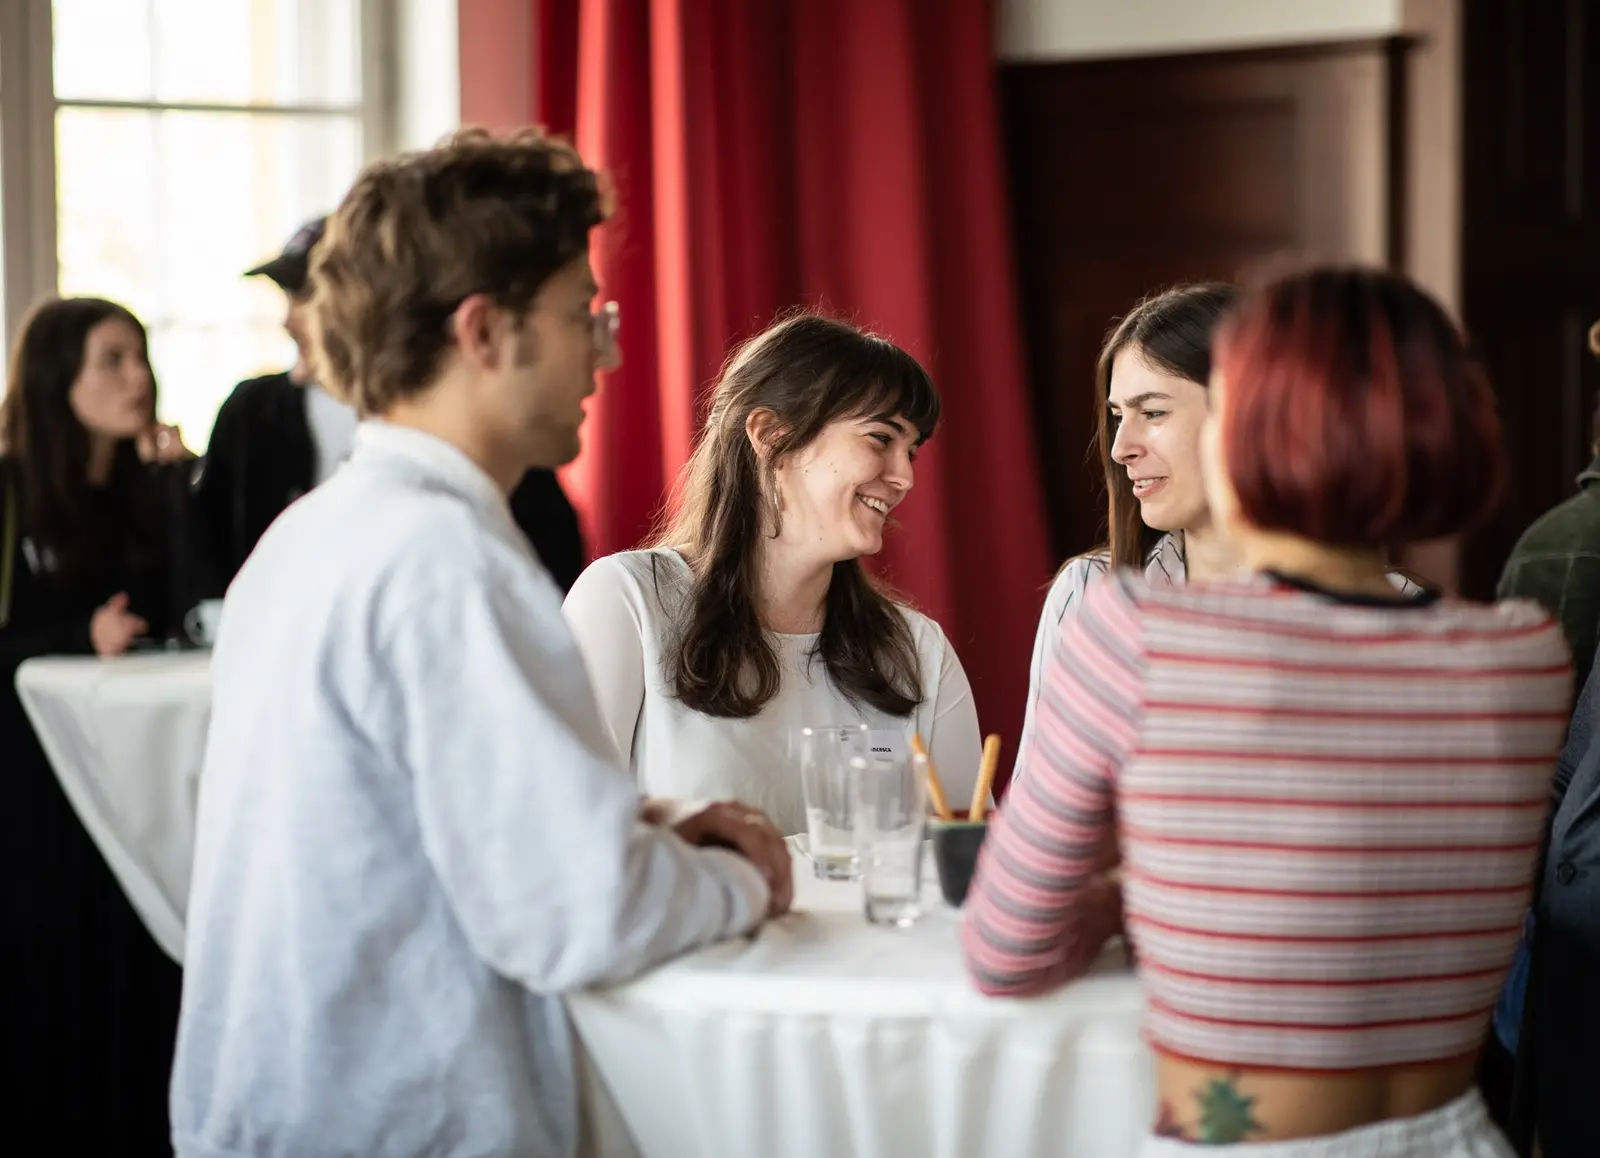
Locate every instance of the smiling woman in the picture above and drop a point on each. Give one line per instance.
(752, 614)
(1153, 372)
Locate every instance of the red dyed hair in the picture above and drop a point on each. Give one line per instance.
(1353, 414)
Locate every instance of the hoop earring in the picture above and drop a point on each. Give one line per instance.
(777, 498)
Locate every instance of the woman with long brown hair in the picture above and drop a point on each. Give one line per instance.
(752, 613)
(88, 1003)
(1151, 379)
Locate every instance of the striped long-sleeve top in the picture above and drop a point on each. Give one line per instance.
(1329, 811)
(1165, 566)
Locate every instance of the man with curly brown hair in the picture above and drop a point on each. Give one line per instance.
(413, 835)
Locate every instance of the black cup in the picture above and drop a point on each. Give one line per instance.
(955, 854)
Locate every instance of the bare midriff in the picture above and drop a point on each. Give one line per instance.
(1205, 1102)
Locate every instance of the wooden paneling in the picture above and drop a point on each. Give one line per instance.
(1131, 175)
(1530, 263)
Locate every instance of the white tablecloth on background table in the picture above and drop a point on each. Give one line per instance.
(826, 1037)
(126, 738)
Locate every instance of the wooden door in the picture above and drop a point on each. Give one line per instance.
(1131, 175)
(1530, 251)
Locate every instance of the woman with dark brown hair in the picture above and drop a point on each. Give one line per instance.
(1152, 377)
(89, 1002)
(752, 613)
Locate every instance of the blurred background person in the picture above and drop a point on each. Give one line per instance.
(1556, 563)
(88, 1002)
(1549, 1013)
(279, 435)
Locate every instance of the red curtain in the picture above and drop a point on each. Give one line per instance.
(836, 153)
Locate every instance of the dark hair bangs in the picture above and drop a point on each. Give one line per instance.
(894, 384)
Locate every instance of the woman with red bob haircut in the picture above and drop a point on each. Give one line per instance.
(1328, 796)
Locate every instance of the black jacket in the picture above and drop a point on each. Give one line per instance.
(261, 458)
(89, 1004)
(1560, 1038)
(49, 614)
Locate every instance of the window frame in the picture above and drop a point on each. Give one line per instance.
(28, 107)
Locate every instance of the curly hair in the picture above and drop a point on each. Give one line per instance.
(420, 232)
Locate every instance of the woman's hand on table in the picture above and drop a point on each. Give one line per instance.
(113, 627)
(739, 827)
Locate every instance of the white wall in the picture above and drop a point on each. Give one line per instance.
(1083, 29)
(427, 89)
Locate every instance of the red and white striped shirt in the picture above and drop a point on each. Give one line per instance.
(1329, 813)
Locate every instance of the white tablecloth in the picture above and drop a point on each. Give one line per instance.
(126, 738)
(826, 1037)
(820, 1036)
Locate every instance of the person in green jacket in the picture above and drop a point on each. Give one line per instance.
(1556, 563)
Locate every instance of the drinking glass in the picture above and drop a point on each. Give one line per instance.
(823, 756)
(891, 809)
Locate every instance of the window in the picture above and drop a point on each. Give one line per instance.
(190, 138)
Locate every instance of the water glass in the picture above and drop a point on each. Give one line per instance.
(822, 756)
(891, 814)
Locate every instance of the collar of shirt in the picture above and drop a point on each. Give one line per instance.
(383, 443)
(1590, 474)
(1166, 566)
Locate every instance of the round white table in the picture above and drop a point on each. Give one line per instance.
(824, 1036)
(126, 738)
(820, 1035)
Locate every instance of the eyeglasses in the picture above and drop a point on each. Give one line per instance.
(606, 322)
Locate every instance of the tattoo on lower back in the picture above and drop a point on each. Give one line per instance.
(1225, 1115)
(1167, 1124)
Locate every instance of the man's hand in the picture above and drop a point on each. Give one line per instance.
(667, 811)
(745, 830)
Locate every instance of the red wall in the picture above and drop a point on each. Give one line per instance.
(497, 54)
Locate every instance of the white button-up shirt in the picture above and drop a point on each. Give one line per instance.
(412, 835)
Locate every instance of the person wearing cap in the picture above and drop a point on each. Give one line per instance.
(279, 435)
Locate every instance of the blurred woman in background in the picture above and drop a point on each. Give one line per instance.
(89, 1002)
(1329, 794)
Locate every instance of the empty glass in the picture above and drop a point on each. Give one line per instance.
(891, 809)
(822, 755)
